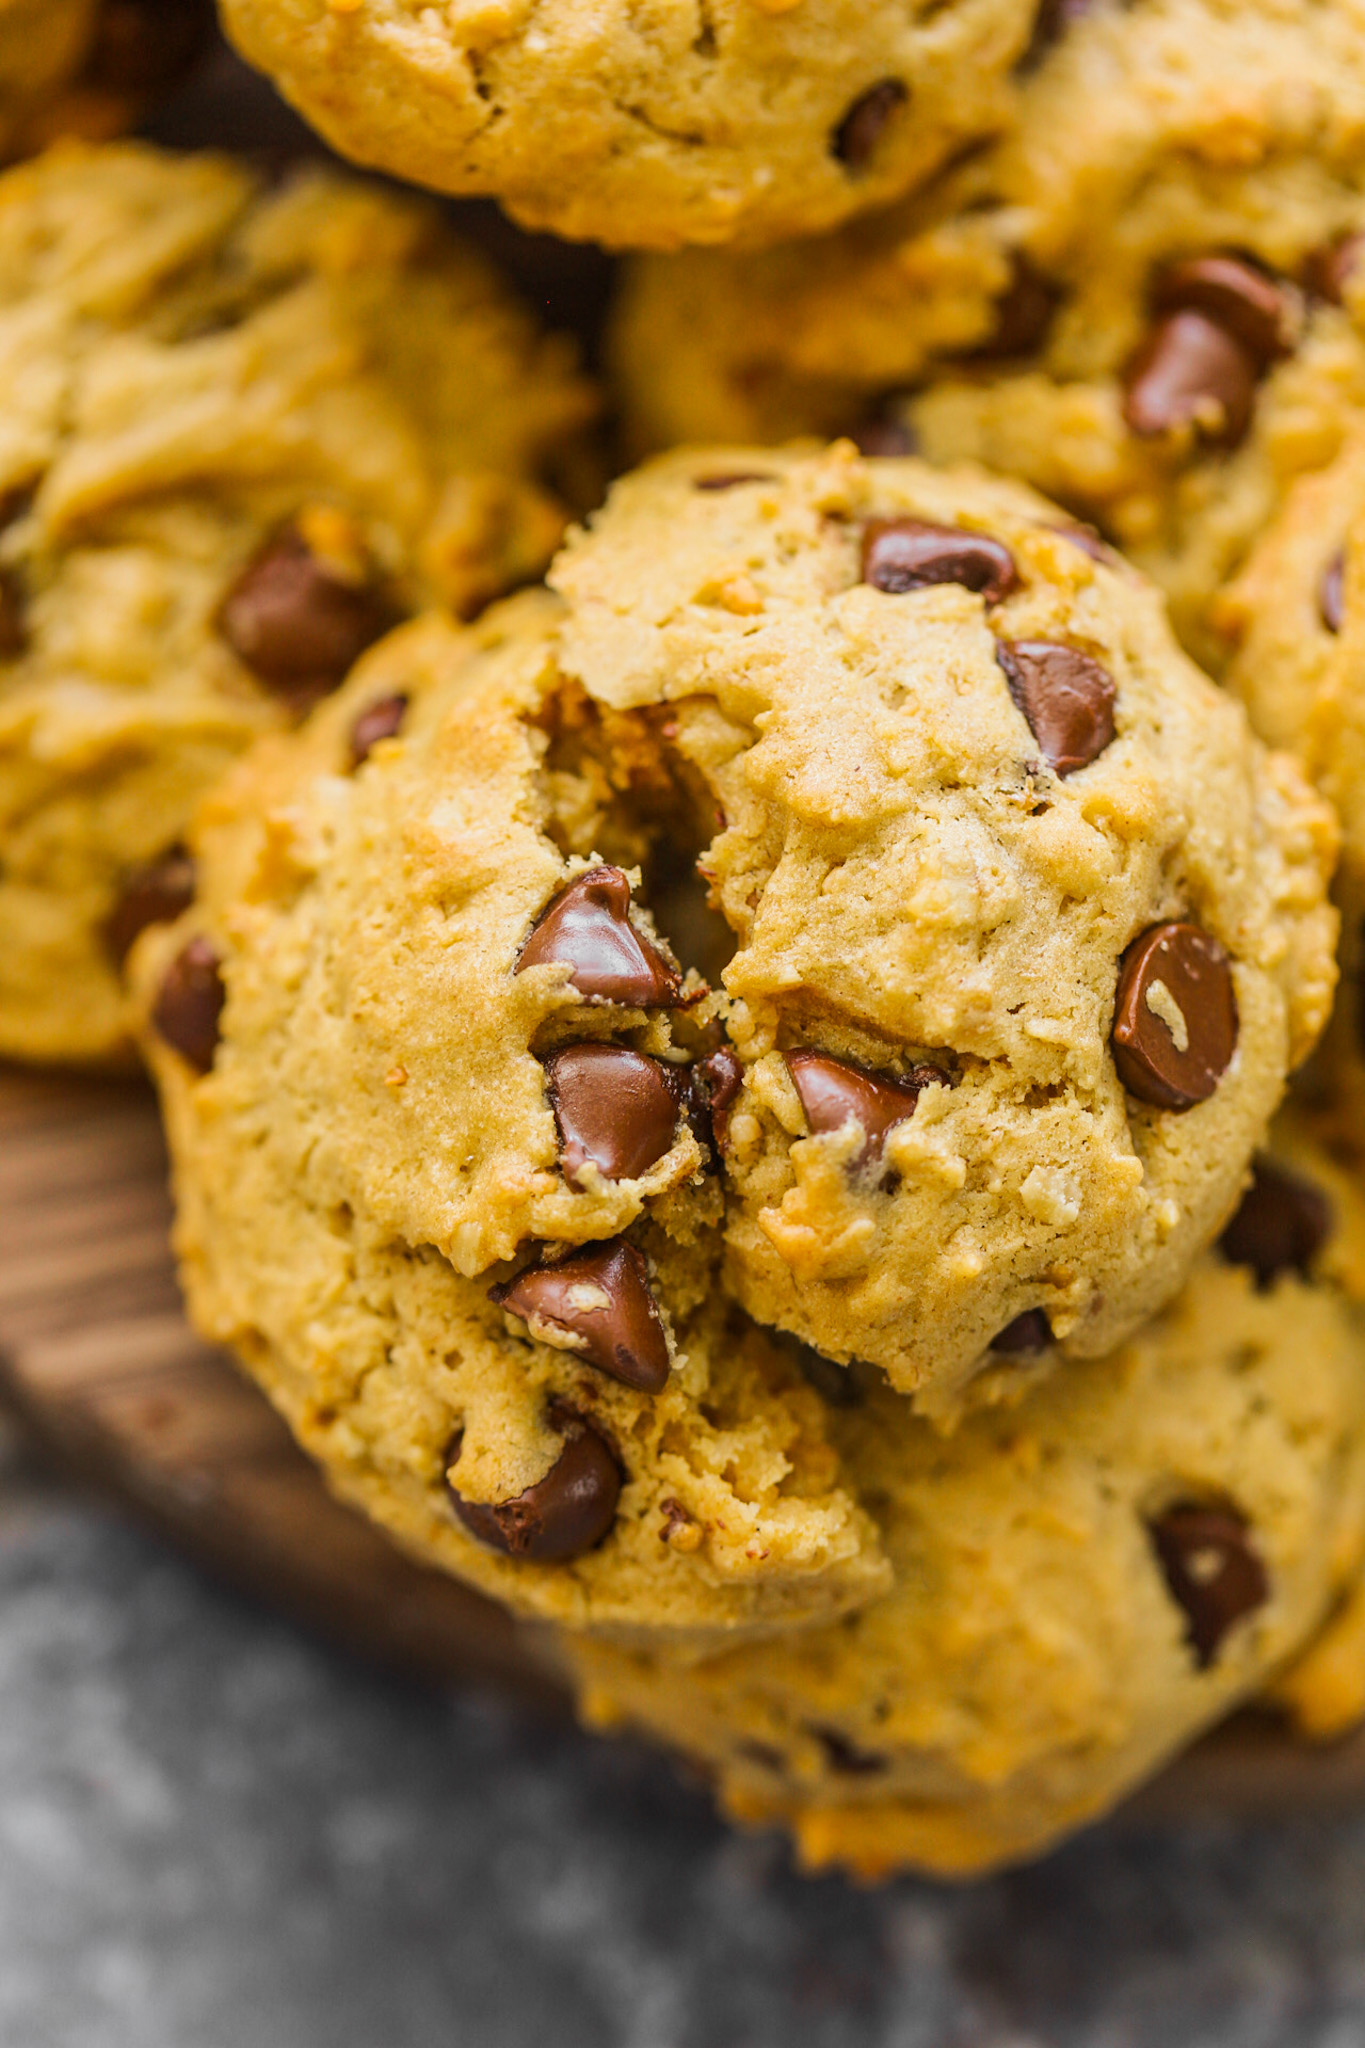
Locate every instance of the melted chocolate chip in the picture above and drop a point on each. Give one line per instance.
(1211, 1569)
(857, 135)
(1191, 373)
(883, 435)
(1050, 24)
(587, 927)
(1241, 298)
(295, 623)
(1067, 698)
(1029, 1333)
(909, 554)
(598, 1304)
(1175, 1016)
(564, 1515)
(155, 894)
(1023, 314)
(189, 1003)
(836, 1092)
(382, 720)
(1327, 272)
(1282, 1225)
(730, 479)
(616, 1108)
(143, 46)
(1332, 592)
(716, 1081)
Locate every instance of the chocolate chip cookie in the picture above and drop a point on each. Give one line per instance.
(246, 429)
(649, 127)
(1083, 1582)
(90, 67)
(1144, 300)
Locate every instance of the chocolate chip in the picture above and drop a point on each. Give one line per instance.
(155, 894)
(295, 623)
(1050, 23)
(883, 436)
(858, 134)
(1332, 592)
(381, 720)
(587, 927)
(1282, 1225)
(598, 1304)
(1175, 1016)
(616, 1108)
(716, 1081)
(1191, 373)
(1023, 314)
(1067, 698)
(730, 479)
(1245, 301)
(909, 554)
(836, 1092)
(1028, 1333)
(13, 622)
(1328, 271)
(1211, 1569)
(846, 1757)
(190, 1002)
(564, 1515)
(143, 46)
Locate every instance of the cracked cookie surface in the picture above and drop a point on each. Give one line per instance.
(246, 428)
(648, 126)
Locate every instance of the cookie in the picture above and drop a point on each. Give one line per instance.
(246, 428)
(375, 1119)
(648, 128)
(90, 67)
(1083, 1583)
(1141, 301)
(1027, 929)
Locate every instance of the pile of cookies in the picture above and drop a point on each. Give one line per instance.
(761, 1076)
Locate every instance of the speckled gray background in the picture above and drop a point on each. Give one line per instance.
(215, 1834)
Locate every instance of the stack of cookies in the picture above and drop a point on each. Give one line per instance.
(776, 1101)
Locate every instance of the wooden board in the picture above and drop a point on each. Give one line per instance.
(98, 1363)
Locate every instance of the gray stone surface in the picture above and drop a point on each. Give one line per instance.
(215, 1834)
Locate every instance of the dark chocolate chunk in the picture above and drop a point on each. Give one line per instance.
(154, 894)
(1258, 310)
(857, 135)
(189, 1003)
(836, 1092)
(1282, 1225)
(1050, 24)
(1175, 1016)
(1332, 592)
(565, 1514)
(382, 720)
(716, 1081)
(616, 1108)
(588, 928)
(909, 554)
(597, 1304)
(1328, 271)
(884, 435)
(296, 623)
(1029, 1333)
(1067, 698)
(1023, 314)
(1191, 373)
(1211, 1569)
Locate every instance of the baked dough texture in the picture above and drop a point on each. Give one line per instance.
(912, 887)
(202, 372)
(648, 126)
(999, 317)
(1033, 1661)
(423, 919)
(90, 67)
